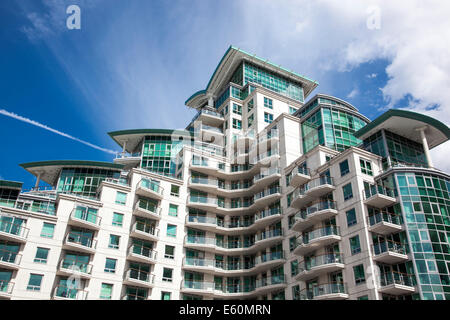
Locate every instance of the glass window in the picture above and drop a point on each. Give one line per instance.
(121, 198)
(173, 210)
(237, 109)
(171, 230)
(355, 246)
(351, 217)
(41, 255)
(165, 295)
(237, 124)
(169, 252)
(106, 292)
(110, 265)
(117, 219)
(292, 110)
(366, 167)
(358, 271)
(250, 105)
(348, 193)
(175, 190)
(268, 117)
(250, 120)
(167, 274)
(344, 167)
(363, 298)
(114, 241)
(34, 283)
(268, 103)
(48, 230)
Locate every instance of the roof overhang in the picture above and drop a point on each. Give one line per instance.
(405, 123)
(49, 170)
(134, 137)
(11, 184)
(230, 61)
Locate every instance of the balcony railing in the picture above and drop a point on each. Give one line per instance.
(14, 229)
(125, 155)
(146, 228)
(320, 260)
(6, 286)
(264, 282)
(142, 251)
(270, 153)
(269, 234)
(307, 237)
(391, 278)
(267, 192)
(373, 190)
(207, 112)
(268, 212)
(78, 239)
(210, 128)
(198, 285)
(266, 173)
(70, 293)
(10, 256)
(136, 274)
(151, 185)
(385, 216)
(316, 207)
(86, 216)
(273, 133)
(120, 181)
(38, 206)
(76, 266)
(389, 246)
(322, 290)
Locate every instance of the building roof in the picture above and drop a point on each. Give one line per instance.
(229, 62)
(134, 136)
(405, 123)
(11, 184)
(49, 170)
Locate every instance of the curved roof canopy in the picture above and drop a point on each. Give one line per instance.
(405, 123)
(49, 170)
(229, 62)
(133, 137)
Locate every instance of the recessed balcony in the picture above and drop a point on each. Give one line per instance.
(378, 196)
(300, 176)
(10, 231)
(390, 252)
(385, 223)
(144, 231)
(314, 214)
(77, 242)
(396, 283)
(69, 267)
(149, 188)
(9, 259)
(6, 288)
(318, 238)
(147, 209)
(69, 293)
(139, 278)
(85, 218)
(141, 253)
(315, 266)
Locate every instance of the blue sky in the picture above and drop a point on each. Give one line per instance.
(134, 63)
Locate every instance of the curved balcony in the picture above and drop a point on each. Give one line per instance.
(198, 265)
(202, 222)
(141, 253)
(206, 166)
(264, 198)
(300, 176)
(312, 190)
(209, 117)
(147, 209)
(203, 184)
(85, 219)
(265, 285)
(139, 278)
(379, 196)
(267, 217)
(266, 158)
(390, 252)
(197, 287)
(396, 283)
(201, 243)
(6, 289)
(210, 133)
(318, 265)
(69, 293)
(13, 231)
(268, 260)
(316, 239)
(326, 291)
(10, 259)
(69, 267)
(269, 137)
(314, 214)
(385, 223)
(127, 159)
(149, 189)
(144, 231)
(74, 241)
(267, 238)
(266, 176)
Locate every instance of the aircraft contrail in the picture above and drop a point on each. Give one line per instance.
(43, 126)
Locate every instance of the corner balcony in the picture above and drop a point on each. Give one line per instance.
(327, 291)
(9, 259)
(209, 117)
(268, 260)
(312, 190)
(268, 238)
(6, 288)
(390, 252)
(200, 202)
(202, 222)
(378, 196)
(266, 158)
(396, 283)
(142, 254)
(200, 243)
(69, 293)
(264, 198)
(314, 214)
(74, 241)
(266, 177)
(69, 267)
(318, 265)
(265, 285)
(203, 184)
(149, 189)
(267, 217)
(197, 287)
(84, 219)
(198, 265)
(299, 176)
(144, 231)
(316, 239)
(139, 278)
(206, 166)
(13, 232)
(147, 210)
(385, 223)
(128, 158)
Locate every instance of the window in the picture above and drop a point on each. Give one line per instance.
(171, 230)
(169, 252)
(292, 110)
(110, 265)
(34, 284)
(348, 193)
(173, 210)
(363, 298)
(250, 120)
(121, 198)
(355, 246)
(237, 109)
(41, 255)
(106, 292)
(344, 167)
(48, 230)
(294, 268)
(268, 103)
(114, 241)
(366, 167)
(165, 295)
(351, 217)
(268, 117)
(117, 219)
(359, 274)
(175, 190)
(167, 274)
(292, 243)
(250, 106)
(237, 124)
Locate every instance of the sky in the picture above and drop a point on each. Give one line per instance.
(132, 64)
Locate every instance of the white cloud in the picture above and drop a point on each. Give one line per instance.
(353, 93)
(372, 75)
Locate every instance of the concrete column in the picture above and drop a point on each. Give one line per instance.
(124, 147)
(388, 156)
(38, 180)
(425, 146)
